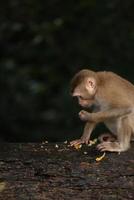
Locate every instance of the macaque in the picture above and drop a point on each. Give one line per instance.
(112, 100)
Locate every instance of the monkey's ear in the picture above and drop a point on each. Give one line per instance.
(91, 85)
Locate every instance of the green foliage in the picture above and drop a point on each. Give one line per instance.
(43, 43)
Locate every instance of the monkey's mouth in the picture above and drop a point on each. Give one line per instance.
(84, 105)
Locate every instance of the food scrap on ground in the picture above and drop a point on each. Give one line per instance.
(77, 146)
(92, 142)
(101, 157)
(56, 146)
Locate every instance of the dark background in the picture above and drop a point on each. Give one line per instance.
(43, 43)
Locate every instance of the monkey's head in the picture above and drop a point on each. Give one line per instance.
(84, 86)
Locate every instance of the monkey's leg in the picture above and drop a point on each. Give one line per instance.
(123, 132)
(86, 134)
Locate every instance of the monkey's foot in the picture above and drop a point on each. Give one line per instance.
(110, 146)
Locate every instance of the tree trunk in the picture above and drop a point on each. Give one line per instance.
(44, 171)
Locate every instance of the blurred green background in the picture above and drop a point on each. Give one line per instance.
(43, 44)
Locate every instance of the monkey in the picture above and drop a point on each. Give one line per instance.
(112, 99)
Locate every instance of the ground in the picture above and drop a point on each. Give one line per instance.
(46, 171)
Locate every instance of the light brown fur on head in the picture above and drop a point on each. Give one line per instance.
(83, 86)
(79, 77)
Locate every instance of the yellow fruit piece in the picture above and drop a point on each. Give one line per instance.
(2, 186)
(77, 146)
(101, 157)
(92, 142)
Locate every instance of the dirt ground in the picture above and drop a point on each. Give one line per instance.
(45, 171)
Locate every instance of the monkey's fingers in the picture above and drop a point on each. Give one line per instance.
(76, 142)
(102, 146)
(84, 115)
(106, 146)
(103, 149)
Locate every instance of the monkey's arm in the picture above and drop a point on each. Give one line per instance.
(86, 134)
(101, 116)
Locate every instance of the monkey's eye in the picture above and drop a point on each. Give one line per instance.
(81, 97)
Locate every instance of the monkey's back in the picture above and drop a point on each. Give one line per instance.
(115, 87)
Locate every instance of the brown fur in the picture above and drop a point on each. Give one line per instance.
(79, 77)
(113, 100)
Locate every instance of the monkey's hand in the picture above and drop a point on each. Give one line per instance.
(85, 116)
(85, 136)
(79, 141)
